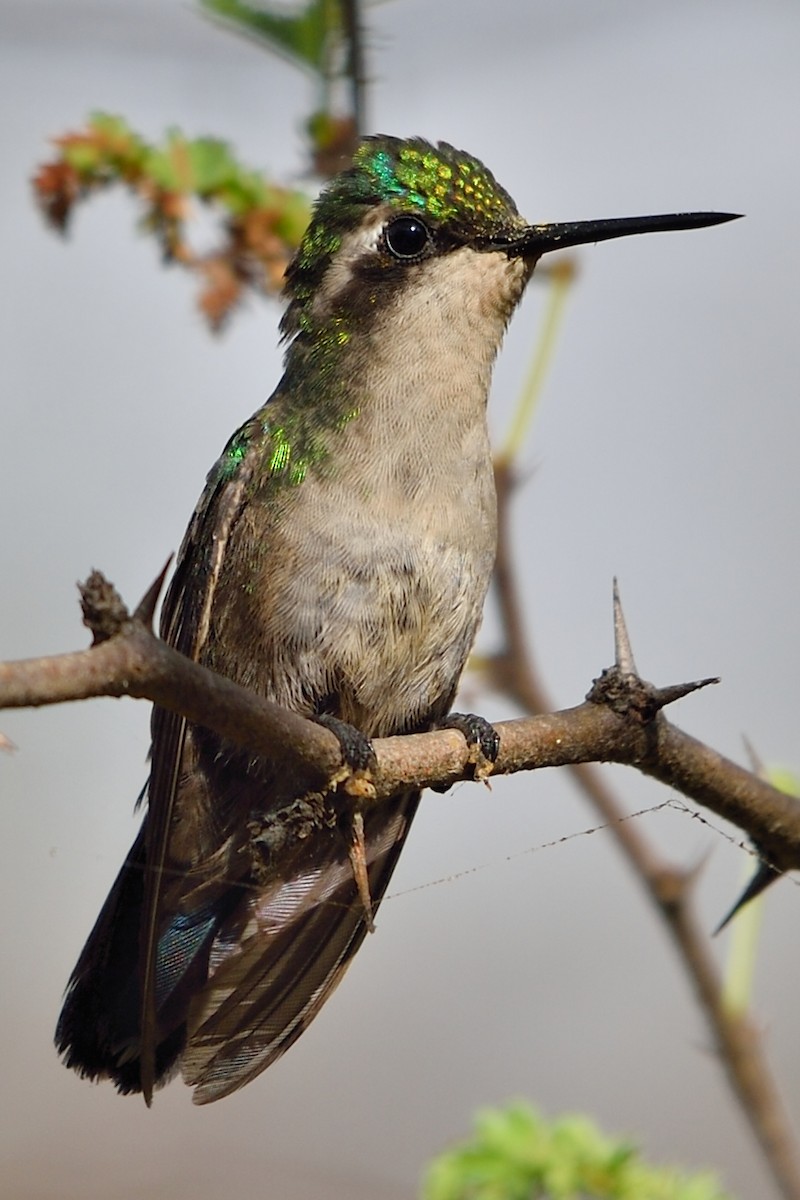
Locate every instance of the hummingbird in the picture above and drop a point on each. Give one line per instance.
(337, 564)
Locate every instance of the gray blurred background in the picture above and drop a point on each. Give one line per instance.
(666, 452)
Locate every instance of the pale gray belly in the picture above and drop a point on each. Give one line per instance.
(368, 615)
(381, 625)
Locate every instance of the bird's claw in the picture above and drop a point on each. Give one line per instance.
(482, 739)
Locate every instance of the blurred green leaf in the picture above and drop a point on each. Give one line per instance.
(784, 779)
(303, 35)
(259, 224)
(517, 1155)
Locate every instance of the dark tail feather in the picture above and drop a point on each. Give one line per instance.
(98, 1031)
(247, 970)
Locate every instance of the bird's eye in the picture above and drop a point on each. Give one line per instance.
(406, 237)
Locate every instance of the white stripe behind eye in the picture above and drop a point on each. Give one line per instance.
(356, 246)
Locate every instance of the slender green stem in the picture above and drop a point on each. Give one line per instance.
(559, 283)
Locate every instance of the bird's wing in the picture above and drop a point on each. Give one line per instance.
(184, 625)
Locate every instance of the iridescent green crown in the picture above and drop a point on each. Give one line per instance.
(444, 184)
(441, 182)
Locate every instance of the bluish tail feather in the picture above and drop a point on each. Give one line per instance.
(98, 1030)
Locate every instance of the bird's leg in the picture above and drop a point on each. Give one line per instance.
(357, 851)
(359, 756)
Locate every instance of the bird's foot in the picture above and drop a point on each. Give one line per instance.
(357, 750)
(482, 739)
(358, 757)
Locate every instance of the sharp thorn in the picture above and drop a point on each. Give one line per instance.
(6, 743)
(145, 610)
(765, 875)
(756, 761)
(676, 691)
(623, 653)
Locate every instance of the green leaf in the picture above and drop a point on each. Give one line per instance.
(303, 36)
(515, 1154)
(213, 166)
(259, 224)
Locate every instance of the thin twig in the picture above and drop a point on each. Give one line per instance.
(738, 1041)
(355, 68)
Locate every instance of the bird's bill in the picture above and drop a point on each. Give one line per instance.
(535, 240)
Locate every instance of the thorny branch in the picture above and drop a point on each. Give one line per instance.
(619, 722)
(685, 764)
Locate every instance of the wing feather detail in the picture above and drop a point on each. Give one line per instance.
(268, 980)
(184, 625)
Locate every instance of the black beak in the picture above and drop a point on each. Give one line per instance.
(535, 240)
